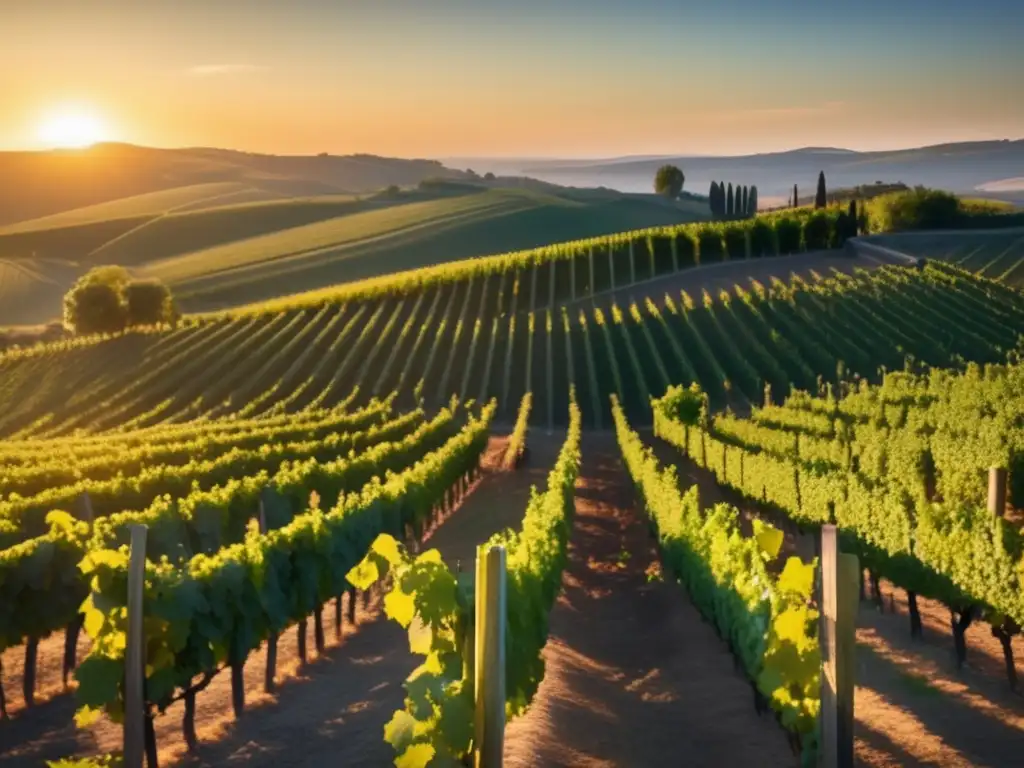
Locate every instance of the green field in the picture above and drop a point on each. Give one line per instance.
(29, 288)
(216, 251)
(996, 254)
(137, 206)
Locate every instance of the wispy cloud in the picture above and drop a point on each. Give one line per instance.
(768, 113)
(208, 70)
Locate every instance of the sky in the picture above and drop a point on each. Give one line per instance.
(519, 78)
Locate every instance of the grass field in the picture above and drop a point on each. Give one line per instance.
(137, 206)
(219, 245)
(29, 288)
(996, 254)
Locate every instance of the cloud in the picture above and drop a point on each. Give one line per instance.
(207, 70)
(768, 113)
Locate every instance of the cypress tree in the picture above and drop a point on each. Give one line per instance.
(821, 198)
(729, 201)
(744, 210)
(851, 215)
(713, 198)
(752, 205)
(796, 199)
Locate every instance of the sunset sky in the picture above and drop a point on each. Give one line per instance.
(565, 78)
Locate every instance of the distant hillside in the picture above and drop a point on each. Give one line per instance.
(37, 184)
(219, 244)
(960, 167)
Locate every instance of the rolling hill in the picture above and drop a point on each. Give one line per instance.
(53, 182)
(224, 243)
(958, 167)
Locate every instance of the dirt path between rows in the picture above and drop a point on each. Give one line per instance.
(727, 274)
(912, 706)
(332, 711)
(634, 676)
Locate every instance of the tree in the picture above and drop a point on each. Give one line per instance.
(107, 300)
(729, 201)
(752, 204)
(796, 199)
(713, 198)
(94, 307)
(821, 198)
(852, 220)
(149, 302)
(744, 210)
(668, 181)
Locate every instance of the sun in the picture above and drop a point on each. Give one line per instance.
(72, 129)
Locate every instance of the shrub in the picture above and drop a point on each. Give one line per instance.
(149, 302)
(762, 239)
(710, 245)
(94, 308)
(818, 234)
(735, 241)
(788, 232)
(919, 208)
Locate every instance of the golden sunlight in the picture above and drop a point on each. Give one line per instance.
(72, 129)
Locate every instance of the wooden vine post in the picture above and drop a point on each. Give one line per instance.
(135, 746)
(489, 658)
(997, 491)
(1005, 631)
(271, 671)
(837, 628)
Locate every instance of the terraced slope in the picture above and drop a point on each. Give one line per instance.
(502, 335)
(996, 254)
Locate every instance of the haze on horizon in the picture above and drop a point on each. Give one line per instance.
(579, 78)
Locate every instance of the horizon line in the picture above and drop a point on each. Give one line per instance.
(597, 159)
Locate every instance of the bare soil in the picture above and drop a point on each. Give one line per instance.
(633, 675)
(913, 706)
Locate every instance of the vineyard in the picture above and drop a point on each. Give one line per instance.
(998, 255)
(504, 334)
(319, 460)
(902, 469)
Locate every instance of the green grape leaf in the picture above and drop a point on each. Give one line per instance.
(423, 689)
(430, 556)
(791, 626)
(400, 606)
(797, 578)
(60, 519)
(457, 722)
(387, 547)
(421, 637)
(112, 558)
(364, 574)
(94, 620)
(400, 730)
(98, 680)
(769, 538)
(416, 756)
(435, 594)
(86, 716)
